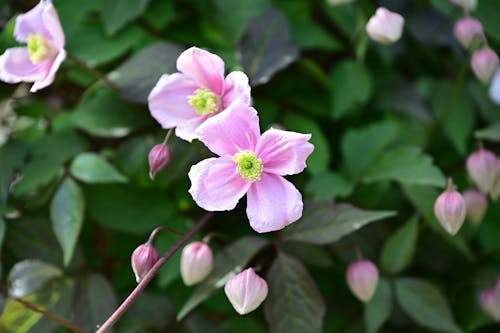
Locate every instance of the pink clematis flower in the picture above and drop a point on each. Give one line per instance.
(185, 100)
(252, 164)
(41, 30)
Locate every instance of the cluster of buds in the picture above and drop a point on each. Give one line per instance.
(450, 209)
(385, 27)
(490, 301)
(362, 279)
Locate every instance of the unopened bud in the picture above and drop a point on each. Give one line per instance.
(467, 30)
(490, 302)
(196, 263)
(484, 64)
(158, 157)
(143, 258)
(482, 167)
(246, 291)
(362, 278)
(495, 88)
(385, 26)
(476, 204)
(450, 209)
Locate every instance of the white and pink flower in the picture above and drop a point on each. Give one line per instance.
(250, 163)
(200, 91)
(39, 61)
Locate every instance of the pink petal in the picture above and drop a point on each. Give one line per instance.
(273, 203)
(236, 87)
(31, 22)
(54, 66)
(237, 127)
(186, 130)
(53, 25)
(16, 66)
(215, 184)
(284, 152)
(205, 68)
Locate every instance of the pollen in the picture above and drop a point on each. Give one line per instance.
(249, 166)
(38, 48)
(204, 101)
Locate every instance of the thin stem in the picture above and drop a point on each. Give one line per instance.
(49, 315)
(450, 184)
(167, 137)
(94, 72)
(160, 228)
(152, 272)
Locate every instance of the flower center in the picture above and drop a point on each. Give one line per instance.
(204, 101)
(38, 48)
(249, 165)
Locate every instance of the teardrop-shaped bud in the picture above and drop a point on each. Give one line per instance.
(482, 167)
(362, 278)
(466, 4)
(246, 291)
(385, 26)
(484, 64)
(158, 158)
(196, 263)
(467, 30)
(450, 209)
(143, 258)
(490, 302)
(476, 205)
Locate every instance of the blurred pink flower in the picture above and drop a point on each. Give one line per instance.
(385, 27)
(467, 30)
(250, 163)
(185, 100)
(490, 301)
(41, 30)
(484, 64)
(362, 279)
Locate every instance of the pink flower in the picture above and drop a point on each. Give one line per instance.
(467, 30)
(362, 278)
(384, 26)
(484, 63)
(250, 163)
(185, 100)
(39, 61)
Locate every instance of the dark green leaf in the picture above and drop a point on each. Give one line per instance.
(116, 14)
(379, 308)
(11, 155)
(159, 13)
(228, 262)
(92, 168)
(67, 212)
(310, 35)
(486, 13)
(28, 276)
(491, 133)
(399, 248)
(324, 222)
(294, 303)
(329, 186)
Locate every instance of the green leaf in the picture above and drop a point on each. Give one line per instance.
(486, 13)
(323, 222)
(399, 248)
(328, 186)
(137, 76)
(425, 304)
(352, 87)
(116, 14)
(294, 303)
(29, 276)
(361, 146)
(491, 133)
(310, 35)
(266, 46)
(407, 165)
(159, 13)
(379, 308)
(232, 260)
(66, 213)
(11, 155)
(422, 197)
(92, 168)
(320, 158)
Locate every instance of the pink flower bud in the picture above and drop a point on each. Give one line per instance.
(143, 258)
(467, 30)
(466, 4)
(246, 291)
(482, 167)
(495, 88)
(385, 26)
(196, 263)
(484, 64)
(159, 157)
(362, 278)
(476, 204)
(450, 209)
(490, 302)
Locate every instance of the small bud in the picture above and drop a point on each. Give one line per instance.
(467, 30)
(158, 157)
(482, 167)
(450, 209)
(385, 26)
(490, 302)
(484, 64)
(362, 278)
(196, 263)
(466, 4)
(246, 291)
(143, 258)
(476, 204)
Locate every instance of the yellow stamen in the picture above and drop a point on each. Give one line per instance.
(37, 47)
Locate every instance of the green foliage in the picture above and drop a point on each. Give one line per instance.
(399, 248)
(379, 308)
(92, 168)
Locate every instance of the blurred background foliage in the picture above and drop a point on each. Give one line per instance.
(389, 124)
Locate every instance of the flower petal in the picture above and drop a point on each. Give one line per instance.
(205, 68)
(53, 25)
(273, 203)
(186, 130)
(215, 184)
(495, 88)
(236, 87)
(235, 128)
(16, 66)
(284, 152)
(31, 22)
(54, 66)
